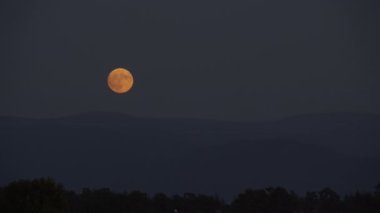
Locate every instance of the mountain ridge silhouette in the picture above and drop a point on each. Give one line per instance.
(177, 155)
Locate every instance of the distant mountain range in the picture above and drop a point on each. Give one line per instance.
(340, 150)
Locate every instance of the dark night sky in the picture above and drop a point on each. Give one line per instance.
(232, 60)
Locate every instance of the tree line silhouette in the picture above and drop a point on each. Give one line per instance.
(44, 195)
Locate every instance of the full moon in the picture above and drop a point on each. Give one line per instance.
(120, 80)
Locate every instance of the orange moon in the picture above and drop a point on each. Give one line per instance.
(120, 80)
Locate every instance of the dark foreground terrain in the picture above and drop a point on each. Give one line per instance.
(309, 152)
(44, 195)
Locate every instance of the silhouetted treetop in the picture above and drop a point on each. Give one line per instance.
(43, 195)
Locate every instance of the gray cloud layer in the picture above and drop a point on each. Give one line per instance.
(239, 60)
